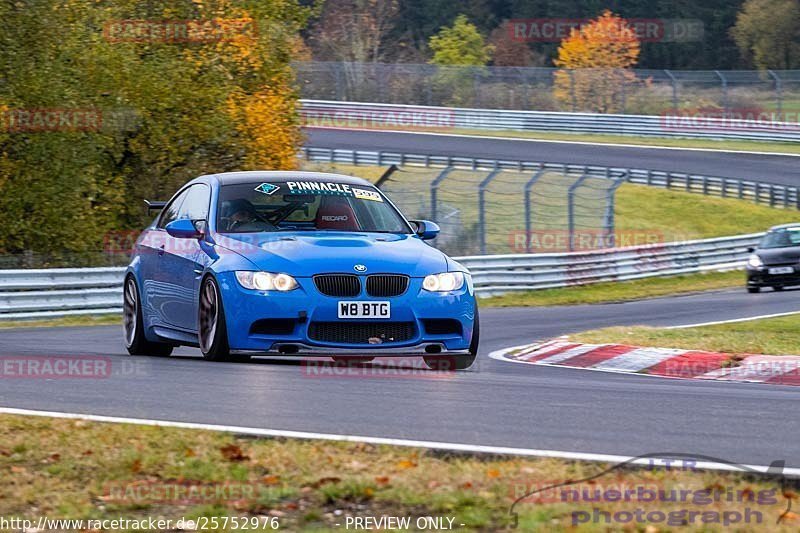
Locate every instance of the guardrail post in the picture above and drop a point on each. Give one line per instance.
(571, 209)
(528, 228)
(482, 207)
(435, 190)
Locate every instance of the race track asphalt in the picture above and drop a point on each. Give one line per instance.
(766, 168)
(495, 403)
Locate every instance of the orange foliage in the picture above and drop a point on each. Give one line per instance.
(267, 122)
(597, 59)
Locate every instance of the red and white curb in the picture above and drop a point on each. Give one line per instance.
(663, 362)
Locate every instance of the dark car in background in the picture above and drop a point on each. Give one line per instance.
(775, 262)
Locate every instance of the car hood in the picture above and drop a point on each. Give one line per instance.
(304, 254)
(779, 256)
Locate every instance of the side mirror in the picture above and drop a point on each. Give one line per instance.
(183, 229)
(750, 249)
(426, 229)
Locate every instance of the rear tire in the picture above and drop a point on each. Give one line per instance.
(777, 288)
(212, 333)
(753, 290)
(458, 362)
(133, 325)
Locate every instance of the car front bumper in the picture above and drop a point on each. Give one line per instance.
(760, 277)
(296, 311)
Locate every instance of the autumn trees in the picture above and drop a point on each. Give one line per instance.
(768, 33)
(182, 88)
(596, 61)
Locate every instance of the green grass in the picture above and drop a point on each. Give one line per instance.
(709, 144)
(619, 291)
(677, 215)
(770, 336)
(73, 469)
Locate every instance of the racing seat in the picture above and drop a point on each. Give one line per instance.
(335, 212)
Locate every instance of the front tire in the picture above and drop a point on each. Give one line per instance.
(458, 362)
(212, 333)
(753, 290)
(133, 325)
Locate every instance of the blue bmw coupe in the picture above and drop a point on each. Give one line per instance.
(295, 264)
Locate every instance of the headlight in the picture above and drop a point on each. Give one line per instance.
(447, 281)
(755, 261)
(266, 281)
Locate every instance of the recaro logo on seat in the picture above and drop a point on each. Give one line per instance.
(336, 218)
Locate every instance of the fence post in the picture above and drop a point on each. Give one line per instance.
(528, 228)
(428, 72)
(476, 81)
(724, 81)
(435, 190)
(386, 175)
(339, 84)
(572, 90)
(608, 220)
(571, 209)
(482, 207)
(674, 90)
(778, 93)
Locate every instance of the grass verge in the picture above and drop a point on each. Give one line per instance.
(619, 291)
(71, 469)
(89, 320)
(769, 336)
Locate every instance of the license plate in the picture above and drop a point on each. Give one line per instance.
(365, 310)
(781, 270)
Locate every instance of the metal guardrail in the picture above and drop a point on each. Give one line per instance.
(500, 274)
(58, 292)
(392, 116)
(50, 293)
(763, 193)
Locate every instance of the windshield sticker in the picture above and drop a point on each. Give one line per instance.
(319, 187)
(267, 188)
(366, 194)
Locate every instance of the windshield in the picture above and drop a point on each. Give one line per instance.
(278, 205)
(781, 238)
